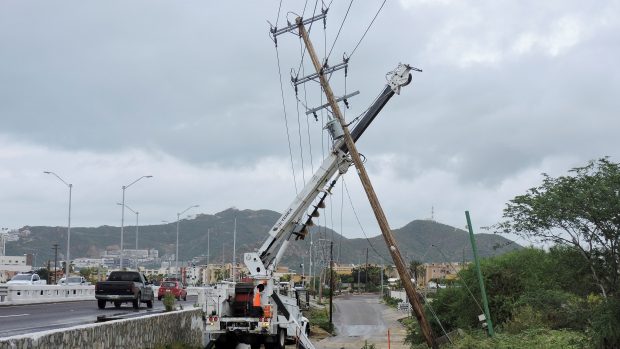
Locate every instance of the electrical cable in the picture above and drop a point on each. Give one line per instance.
(309, 29)
(303, 67)
(338, 34)
(463, 281)
(359, 223)
(301, 148)
(367, 29)
(278, 17)
(428, 304)
(286, 122)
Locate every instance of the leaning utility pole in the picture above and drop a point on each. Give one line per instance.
(372, 196)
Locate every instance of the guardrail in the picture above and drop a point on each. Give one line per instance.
(29, 294)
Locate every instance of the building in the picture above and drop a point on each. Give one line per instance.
(11, 265)
(213, 273)
(439, 272)
(343, 269)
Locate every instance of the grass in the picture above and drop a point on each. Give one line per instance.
(540, 338)
(320, 318)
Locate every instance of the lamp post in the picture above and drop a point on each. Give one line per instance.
(176, 256)
(137, 220)
(123, 216)
(68, 223)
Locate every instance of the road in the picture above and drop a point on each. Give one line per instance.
(21, 319)
(364, 318)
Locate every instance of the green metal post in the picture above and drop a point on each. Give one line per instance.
(485, 302)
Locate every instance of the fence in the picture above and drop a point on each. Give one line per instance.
(28, 294)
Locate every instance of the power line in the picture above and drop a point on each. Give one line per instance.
(367, 29)
(339, 29)
(464, 283)
(360, 224)
(301, 148)
(309, 29)
(288, 138)
(278, 17)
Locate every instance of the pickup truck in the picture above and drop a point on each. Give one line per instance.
(122, 287)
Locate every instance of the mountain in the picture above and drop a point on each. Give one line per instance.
(424, 240)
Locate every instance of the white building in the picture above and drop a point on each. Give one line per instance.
(11, 265)
(87, 262)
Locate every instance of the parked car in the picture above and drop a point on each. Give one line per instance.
(73, 280)
(26, 279)
(176, 288)
(124, 286)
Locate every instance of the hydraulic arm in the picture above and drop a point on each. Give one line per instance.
(262, 263)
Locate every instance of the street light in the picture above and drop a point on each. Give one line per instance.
(137, 214)
(123, 216)
(137, 219)
(69, 222)
(176, 256)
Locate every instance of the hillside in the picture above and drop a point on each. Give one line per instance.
(421, 239)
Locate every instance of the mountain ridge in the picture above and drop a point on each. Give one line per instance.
(424, 240)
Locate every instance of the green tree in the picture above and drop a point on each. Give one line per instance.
(416, 269)
(579, 210)
(43, 273)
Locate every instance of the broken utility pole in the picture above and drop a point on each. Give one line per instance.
(372, 196)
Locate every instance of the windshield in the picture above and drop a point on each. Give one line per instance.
(168, 284)
(124, 276)
(21, 277)
(75, 280)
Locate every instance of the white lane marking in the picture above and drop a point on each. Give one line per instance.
(14, 315)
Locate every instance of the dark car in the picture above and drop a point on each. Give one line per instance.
(175, 288)
(124, 286)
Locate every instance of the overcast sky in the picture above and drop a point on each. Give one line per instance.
(104, 92)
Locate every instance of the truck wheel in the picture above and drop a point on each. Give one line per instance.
(280, 340)
(117, 304)
(149, 304)
(185, 298)
(158, 298)
(136, 302)
(101, 304)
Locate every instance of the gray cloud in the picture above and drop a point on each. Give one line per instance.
(509, 90)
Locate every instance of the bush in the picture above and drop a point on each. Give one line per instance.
(390, 301)
(528, 339)
(605, 326)
(169, 301)
(525, 318)
(561, 309)
(320, 318)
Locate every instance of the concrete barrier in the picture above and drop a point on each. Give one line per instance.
(29, 294)
(150, 331)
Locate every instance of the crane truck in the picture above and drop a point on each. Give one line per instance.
(230, 317)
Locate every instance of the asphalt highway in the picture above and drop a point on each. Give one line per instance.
(22, 319)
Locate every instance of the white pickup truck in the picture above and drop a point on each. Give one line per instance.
(26, 279)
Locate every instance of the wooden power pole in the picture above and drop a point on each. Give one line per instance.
(370, 192)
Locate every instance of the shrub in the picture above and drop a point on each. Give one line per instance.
(320, 318)
(169, 301)
(390, 301)
(605, 326)
(525, 318)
